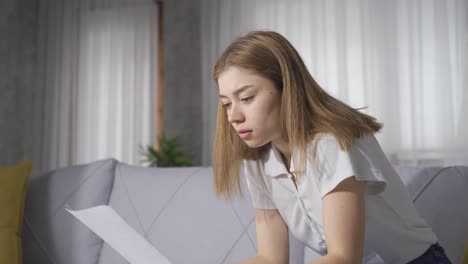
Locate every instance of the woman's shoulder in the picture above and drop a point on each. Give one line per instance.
(258, 166)
(323, 142)
(252, 166)
(256, 174)
(324, 138)
(330, 141)
(326, 146)
(249, 163)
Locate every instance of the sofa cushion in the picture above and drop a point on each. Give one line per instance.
(13, 181)
(444, 204)
(52, 235)
(439, 194)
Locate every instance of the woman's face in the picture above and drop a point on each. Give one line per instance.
(252, 104)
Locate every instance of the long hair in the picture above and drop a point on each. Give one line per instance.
(306, 109)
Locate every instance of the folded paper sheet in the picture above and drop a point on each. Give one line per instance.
(108, 225)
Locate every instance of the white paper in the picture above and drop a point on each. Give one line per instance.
(108, 225)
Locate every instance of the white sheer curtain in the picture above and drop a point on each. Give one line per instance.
(405, 60)
(95, 96)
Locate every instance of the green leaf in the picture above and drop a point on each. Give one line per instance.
(170, 153)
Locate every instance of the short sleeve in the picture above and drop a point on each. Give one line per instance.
(337, 164)
(259, 192)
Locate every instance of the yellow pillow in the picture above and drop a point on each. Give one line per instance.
(13, 182)
(465, 258)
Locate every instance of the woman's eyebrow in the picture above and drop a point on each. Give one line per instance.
(238, 91)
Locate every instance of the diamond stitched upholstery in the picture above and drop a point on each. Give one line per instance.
(175, 209)
(52, 235)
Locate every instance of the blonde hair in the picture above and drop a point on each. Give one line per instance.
(306, 109)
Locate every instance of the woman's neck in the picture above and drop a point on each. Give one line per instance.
(283, 147)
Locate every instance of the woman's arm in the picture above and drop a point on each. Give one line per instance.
(272, 239)
(344, 222)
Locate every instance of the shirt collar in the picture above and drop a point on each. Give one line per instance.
(274, 165)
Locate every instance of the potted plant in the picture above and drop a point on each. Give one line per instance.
(169, 154)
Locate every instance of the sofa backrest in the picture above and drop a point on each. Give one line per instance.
(441, 196)
(176, 210)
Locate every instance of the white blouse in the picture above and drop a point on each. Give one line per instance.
(394, 230)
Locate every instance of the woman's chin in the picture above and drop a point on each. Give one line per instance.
(253, 143)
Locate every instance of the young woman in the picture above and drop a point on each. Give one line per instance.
(312, 163)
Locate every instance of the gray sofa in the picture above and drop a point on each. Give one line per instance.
(175, 209)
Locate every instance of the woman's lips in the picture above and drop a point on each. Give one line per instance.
(245, 134)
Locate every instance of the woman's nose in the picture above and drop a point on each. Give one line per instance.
(235, 116)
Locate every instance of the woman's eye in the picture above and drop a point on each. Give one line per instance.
(247, 99)
(226, 105)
